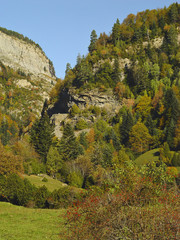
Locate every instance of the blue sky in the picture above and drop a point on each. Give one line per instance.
(63, 27)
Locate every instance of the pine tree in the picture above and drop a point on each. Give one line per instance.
(170, 42)
(125, 128)
(116, 75)
(116, 33)
(83, 73)
(150, 124)
(92, 45)
(68, 68)
(42, 133)
(171, 133)
(69, 148)
(173, 13)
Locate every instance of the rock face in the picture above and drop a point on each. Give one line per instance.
(27, 57)
(84, 99)
(37, 71)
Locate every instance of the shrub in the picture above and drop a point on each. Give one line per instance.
(44, 179)
(172, 171)
(41, 196)
(75, 179)
(81, 124)
(74, 110)
(119, 216)
(96, 110)
(16, 190)
(64, 197)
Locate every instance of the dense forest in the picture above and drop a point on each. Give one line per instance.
(122, 169)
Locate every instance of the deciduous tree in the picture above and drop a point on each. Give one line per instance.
(139, 138)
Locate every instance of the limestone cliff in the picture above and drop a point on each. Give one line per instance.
(84, 99)
(27, 57)
(33, 75)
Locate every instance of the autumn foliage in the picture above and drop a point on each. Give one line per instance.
(10, 163)
(136, 214)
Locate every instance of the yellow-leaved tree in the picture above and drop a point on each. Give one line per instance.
(139, 138)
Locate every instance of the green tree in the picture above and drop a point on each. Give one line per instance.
(116, 33)
(42, 133)
(81, 124)
(41, 196)
(104, 75)
(93, 41)
(125, 127)
(68, 68)
(150, 124)
(155, 71)
(171, 133)
(170, 42)
(83, 73)
(116, 74)
(54, 161)
(165, 154)
(83, 139)
(74, 110)
(69, 147)
(173, 13)
(172, 106)
(107, 155)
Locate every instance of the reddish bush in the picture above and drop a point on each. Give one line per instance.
(139, 214)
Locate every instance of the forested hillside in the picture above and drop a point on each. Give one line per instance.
(116, 141)
(139, 61)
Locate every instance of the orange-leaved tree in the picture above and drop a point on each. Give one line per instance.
(9, 163)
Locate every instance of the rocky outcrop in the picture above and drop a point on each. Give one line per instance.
(27, 57)
(85, 99)
(59, 113)
(57, 120)
(29, 60)
(95, 98)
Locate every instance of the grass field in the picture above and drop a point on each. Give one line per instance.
(152, 155)
(19, 223)
(51, 185)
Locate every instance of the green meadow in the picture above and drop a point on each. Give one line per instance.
(51, 183)
(19, 223)
(147, 157)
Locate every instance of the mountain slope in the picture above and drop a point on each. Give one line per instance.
(26, 79)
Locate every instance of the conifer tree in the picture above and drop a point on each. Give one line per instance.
(69, 147)
(170, 42)
(170, 133)
(92, 45)
(42, 133)
(116, 75)
(116, 32)
(68, 68)
(125, 128)
(173, 13)
(83, 73)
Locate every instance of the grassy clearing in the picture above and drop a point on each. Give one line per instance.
(51, 185)
(19, 223)
(152, 155)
